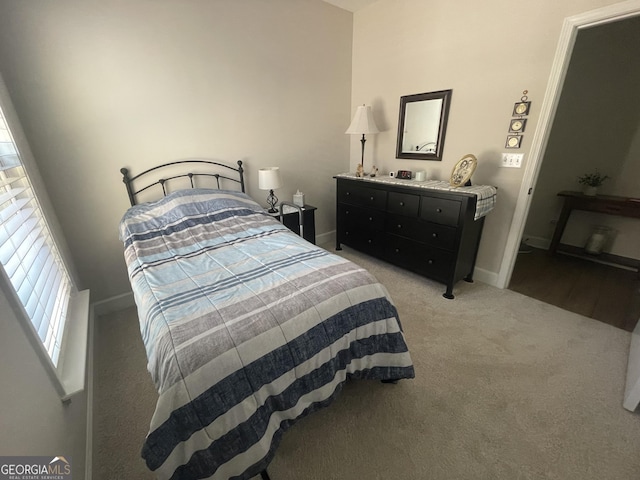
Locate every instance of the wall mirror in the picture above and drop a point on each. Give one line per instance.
(422, 125)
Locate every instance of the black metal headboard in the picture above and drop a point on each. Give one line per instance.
(128, 181)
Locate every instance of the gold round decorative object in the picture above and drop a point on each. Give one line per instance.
(463, 170)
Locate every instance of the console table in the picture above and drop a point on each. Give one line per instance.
(609, 204)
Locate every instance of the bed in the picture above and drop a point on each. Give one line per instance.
(247, 327)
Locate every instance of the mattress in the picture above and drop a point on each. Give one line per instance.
(247, 328)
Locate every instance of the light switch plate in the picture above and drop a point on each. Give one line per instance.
(512, 160)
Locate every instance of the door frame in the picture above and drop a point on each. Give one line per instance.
(571, 27)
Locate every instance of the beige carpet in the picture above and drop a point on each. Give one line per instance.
(506, 388)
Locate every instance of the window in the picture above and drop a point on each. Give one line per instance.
(28, 253)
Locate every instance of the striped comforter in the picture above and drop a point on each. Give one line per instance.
(247, 327)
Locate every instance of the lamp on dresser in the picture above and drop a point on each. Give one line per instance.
(363, 123)
(269, 179)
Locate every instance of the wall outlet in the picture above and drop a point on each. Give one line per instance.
(512, 160)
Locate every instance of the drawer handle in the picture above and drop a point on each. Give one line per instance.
(439, 210)
(346, 212)
(348, 193)
(371, 219)
(372, 199)
(434, 235)
(402, 204)
(369, 241)
(399, 226)
(397, 250)
(430, 262)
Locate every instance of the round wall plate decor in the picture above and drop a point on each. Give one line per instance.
(463, 170)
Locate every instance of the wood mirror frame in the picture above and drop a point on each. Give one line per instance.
(422, 125)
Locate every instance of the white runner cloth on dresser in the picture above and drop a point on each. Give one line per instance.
(486, 194)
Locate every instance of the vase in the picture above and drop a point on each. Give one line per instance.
(590, 191)
(597, 240)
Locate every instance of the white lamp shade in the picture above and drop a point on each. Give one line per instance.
(363, 121)
(269, 178)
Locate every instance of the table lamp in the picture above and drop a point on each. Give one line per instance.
(269, 179)
(363, 123)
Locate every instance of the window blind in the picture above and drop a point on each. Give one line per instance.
(28, 252)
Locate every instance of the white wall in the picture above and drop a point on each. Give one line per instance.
(597, 125)
(33, 420)
(488, 53)
(102, 85)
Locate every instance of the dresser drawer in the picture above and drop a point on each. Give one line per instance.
(440, 210)
(403, 204)
(351, 216)
(439, 236)
(432, 234)
(367, 241)
(404, 226)
(362, 196)
(419, 257)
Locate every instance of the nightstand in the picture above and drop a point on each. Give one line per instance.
(290, 219)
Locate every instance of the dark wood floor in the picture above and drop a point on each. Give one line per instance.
(602, 292)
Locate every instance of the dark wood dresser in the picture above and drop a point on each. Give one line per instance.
(429, 231)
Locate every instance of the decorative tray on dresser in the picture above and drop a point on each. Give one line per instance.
(427, 227)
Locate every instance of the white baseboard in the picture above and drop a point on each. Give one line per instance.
(485, 276)
(545, 243)
(113, 304)
(326, 239)
(537, 242)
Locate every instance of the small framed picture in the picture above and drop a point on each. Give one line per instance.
(521, 108)
(513, 141)
(461, 173)
(517, 125)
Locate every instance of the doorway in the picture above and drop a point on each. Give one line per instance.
(595, 125)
